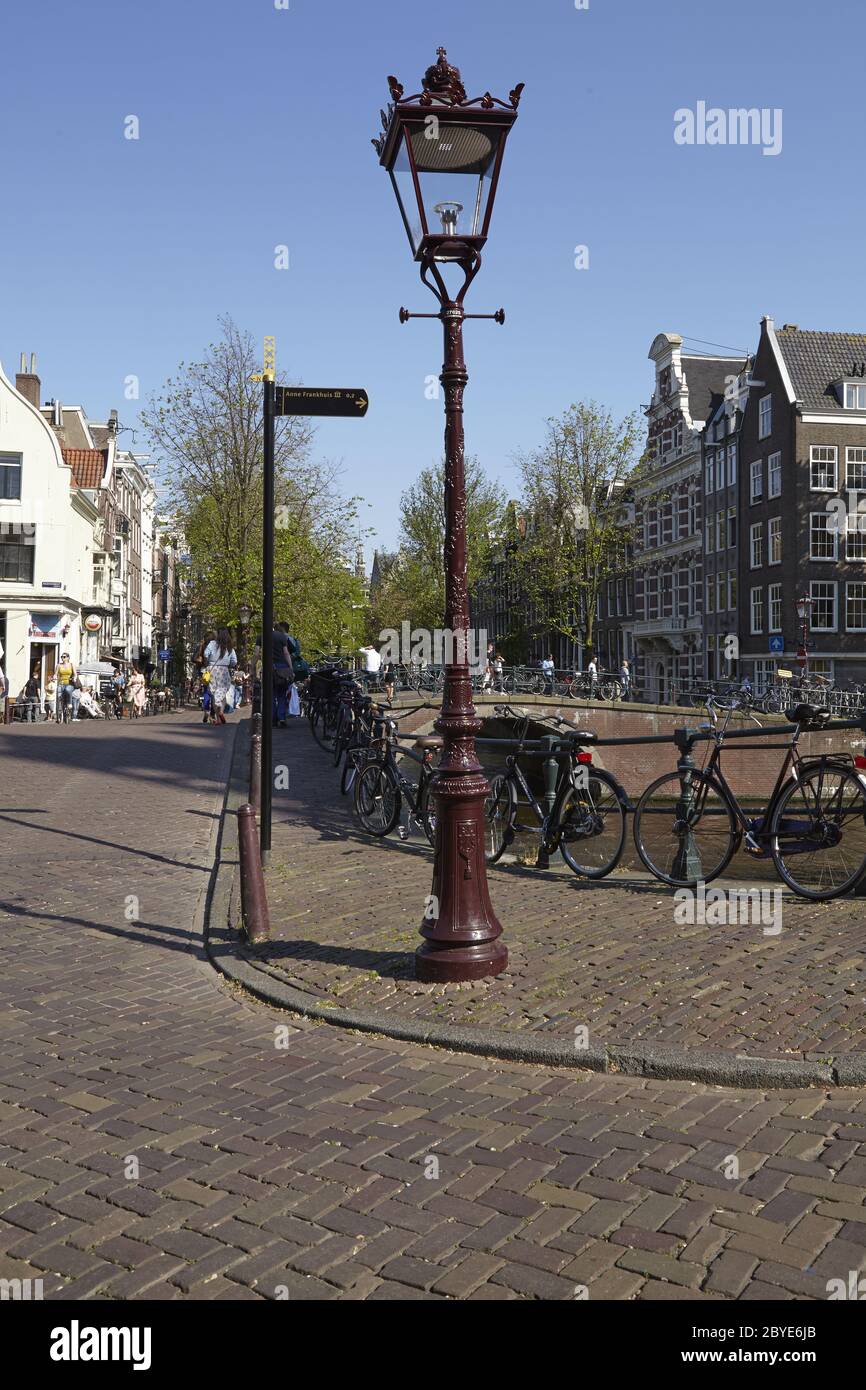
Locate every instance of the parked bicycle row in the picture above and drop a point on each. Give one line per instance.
(687, 824)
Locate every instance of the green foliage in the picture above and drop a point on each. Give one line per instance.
(412, 586)
(207, 428)
(577, 528)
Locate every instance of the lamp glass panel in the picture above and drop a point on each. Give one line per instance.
(404, 187)
(455, 164)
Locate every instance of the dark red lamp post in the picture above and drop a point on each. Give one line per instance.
(443, 152)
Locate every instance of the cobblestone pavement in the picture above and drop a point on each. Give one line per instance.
(156, 1142)
(346, 908)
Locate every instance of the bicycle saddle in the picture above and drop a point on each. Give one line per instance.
(808, 716)
(582, 735)
(429, 741)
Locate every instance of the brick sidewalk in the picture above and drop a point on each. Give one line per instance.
(264, 1171)
(610, 956)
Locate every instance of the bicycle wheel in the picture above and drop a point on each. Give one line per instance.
(377, 799)
(818, 832)
(592, 826)
(342, 736)
(610, 690)
(317, 713)
(684, 829)
(500, 808)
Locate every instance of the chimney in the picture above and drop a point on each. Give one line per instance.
(28, 383)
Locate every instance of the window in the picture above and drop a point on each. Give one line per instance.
(711, 657)
(855, 543)
(732, 464)
(765, 674)
(732, 526)
(765, 417)
(708, 526)
(774, 540)
(10, 477)
(652, 596)
(732, 590)
(855, 607)
(720, 530)
(16, 560)
(708, 475)
(757, 609)
(774, 475)
(710, 607)
(822, 468)
(822, 617)
(721, 589)
(720, 470)
(756, 545)
(775, 597)
(855, 396)
(823, 537)
(855, 469)
(756, 480)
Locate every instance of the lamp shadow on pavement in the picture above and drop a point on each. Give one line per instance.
(186, 941)
(106, 844)
(393, 965)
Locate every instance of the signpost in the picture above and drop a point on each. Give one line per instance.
(320, 400)
(331, 401)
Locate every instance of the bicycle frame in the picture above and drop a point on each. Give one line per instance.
(756, 830)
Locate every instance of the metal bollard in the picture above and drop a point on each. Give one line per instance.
(256, 726)
(687, 861)
(254, 902)
(550, 769)
(256, 773)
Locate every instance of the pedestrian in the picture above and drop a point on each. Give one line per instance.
(284, 675)
(221, 660)
(67, 685)
(118, 685)
(625, 679)
(389, 676)
(498, 671)
(548, 671)
(29, 699)
(592, 672)
(88, 705)
(135, 692)
(50, 698)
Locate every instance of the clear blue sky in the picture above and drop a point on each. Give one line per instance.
(118, 256)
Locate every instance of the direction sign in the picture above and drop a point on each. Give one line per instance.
(320, 400)
(777, 644)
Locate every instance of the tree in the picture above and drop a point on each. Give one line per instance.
(207, 427)
(412, 586)
(576, 517)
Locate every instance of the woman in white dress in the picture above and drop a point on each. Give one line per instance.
(221, 660)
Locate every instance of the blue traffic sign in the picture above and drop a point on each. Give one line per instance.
(777, 644)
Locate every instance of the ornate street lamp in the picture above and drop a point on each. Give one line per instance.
(804, 606)
(443, 153)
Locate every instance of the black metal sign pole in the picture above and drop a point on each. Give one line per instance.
(267, 683)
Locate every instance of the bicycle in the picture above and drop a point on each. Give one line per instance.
(64, 703)
(586, 822)
(381, 786)
(689, 823)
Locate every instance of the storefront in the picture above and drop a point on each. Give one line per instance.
(33, 641)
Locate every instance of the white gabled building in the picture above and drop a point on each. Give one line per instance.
(46, 539)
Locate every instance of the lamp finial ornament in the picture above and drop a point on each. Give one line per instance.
(443, 80)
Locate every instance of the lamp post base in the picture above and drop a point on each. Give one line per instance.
(445, 965)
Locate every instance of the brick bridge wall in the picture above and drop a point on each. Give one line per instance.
(748, 771)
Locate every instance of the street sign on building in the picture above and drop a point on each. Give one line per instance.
(777, 645)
